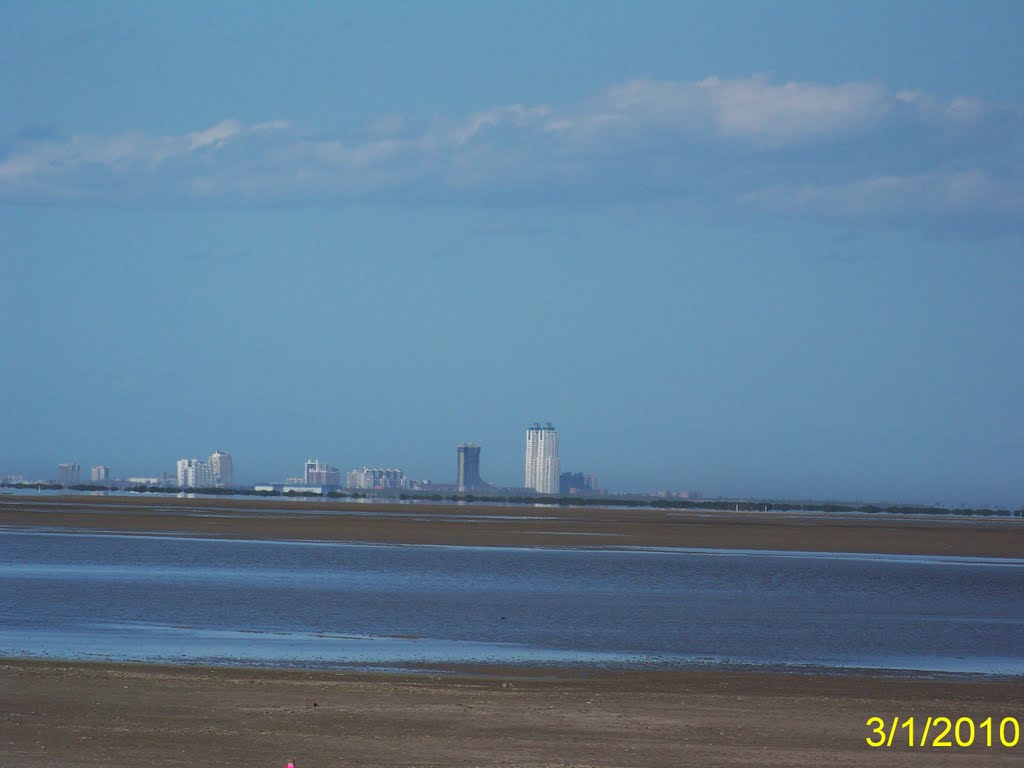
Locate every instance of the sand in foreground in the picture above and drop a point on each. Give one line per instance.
(81, 714)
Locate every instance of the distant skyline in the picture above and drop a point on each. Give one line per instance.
(754, 249)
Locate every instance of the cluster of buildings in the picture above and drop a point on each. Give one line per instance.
(576, 484)
(320, 477)
(376, 478)
(320, 473)
(542, 473)
(216, 472)
(70, 473)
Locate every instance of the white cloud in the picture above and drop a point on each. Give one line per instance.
(214, 136)
(849, 149)
(939, 194)
(794, 112)
(125, 152)
(515, 116)
(751, 109)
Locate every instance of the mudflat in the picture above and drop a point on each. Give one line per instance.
(83, 714)
(62, 713)
(531, 526)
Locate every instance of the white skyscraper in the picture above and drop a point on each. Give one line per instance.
(222, 469)
(542, 465)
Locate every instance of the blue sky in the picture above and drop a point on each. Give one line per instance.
(768, 249)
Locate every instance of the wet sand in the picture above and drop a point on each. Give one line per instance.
(531, 526)
(81, 714)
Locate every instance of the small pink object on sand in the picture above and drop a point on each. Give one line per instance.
(290, 764)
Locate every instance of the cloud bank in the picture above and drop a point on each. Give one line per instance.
(852, 151)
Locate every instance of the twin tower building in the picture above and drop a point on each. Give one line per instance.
(542, 465)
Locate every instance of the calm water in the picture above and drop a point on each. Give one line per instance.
(185, 600)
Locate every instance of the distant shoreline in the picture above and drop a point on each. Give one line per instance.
(516, 525)
(509, 500)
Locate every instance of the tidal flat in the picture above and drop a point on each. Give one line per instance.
(511, 636)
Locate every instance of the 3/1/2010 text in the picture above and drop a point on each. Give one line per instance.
(943, 732)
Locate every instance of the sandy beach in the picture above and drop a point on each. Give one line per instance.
(81, 714)
(57, 713)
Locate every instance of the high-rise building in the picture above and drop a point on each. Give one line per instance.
(68, 473)
(193, 473)
(468, 470)
(542, 465)
(99, 474)
(319, 473)
(222, 469)
(375, 478)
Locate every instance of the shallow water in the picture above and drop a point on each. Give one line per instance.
(189, 600)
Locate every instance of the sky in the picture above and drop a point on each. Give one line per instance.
(769, 249)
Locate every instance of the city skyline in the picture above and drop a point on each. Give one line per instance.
(540, 459)
(718, 254)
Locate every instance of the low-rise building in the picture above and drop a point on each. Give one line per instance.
(375, 478)
(193, 473)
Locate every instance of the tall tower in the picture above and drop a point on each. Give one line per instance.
(222, 468)
(468, 455)
(542, 465)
